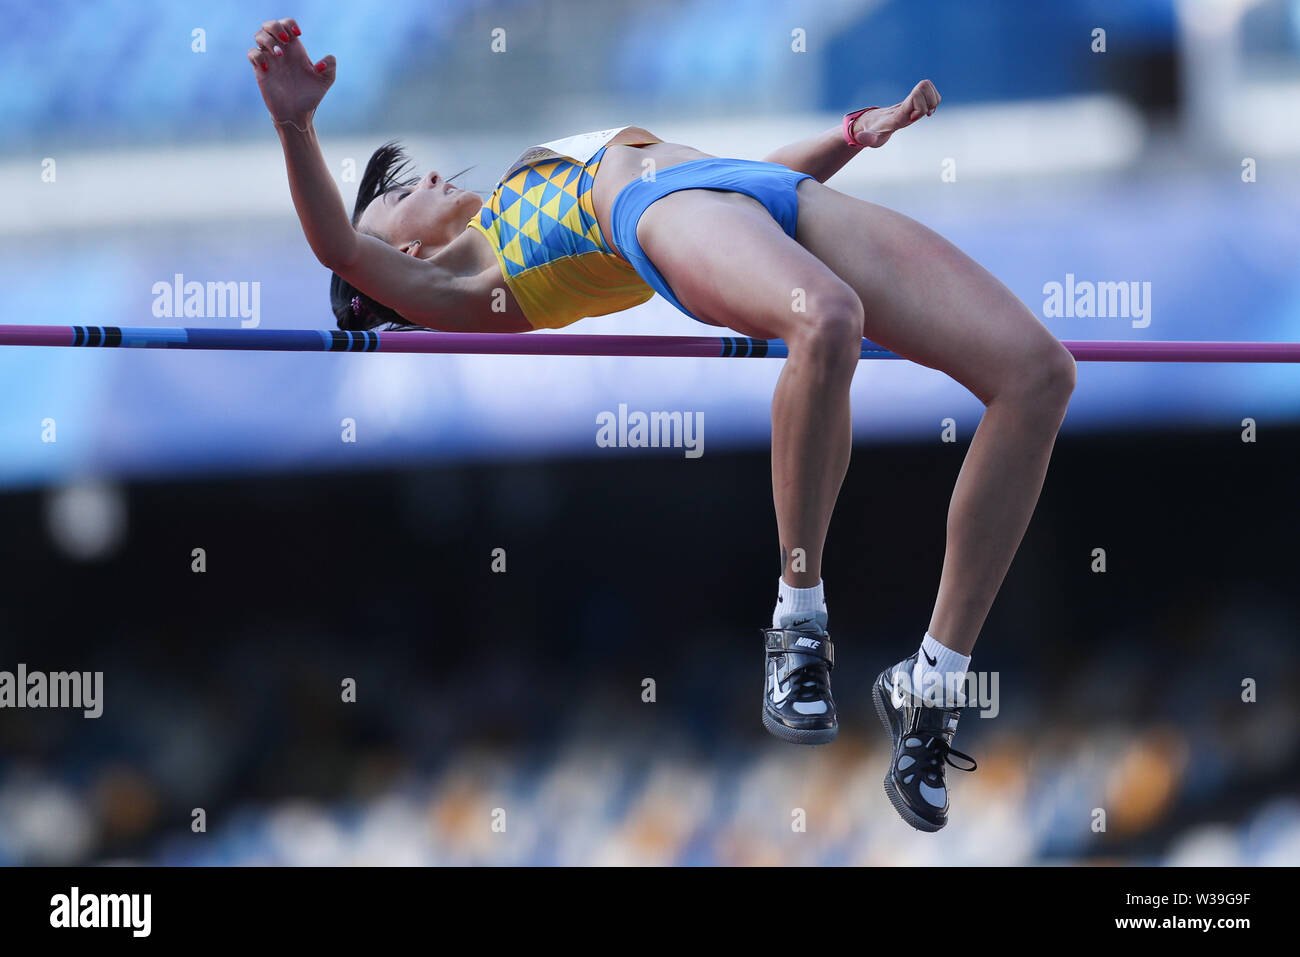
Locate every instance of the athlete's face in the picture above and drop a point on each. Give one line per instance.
(432, 211)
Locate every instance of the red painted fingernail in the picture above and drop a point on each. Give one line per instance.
(284, 36)
(296, 31)
(320, 67)
(265, 67)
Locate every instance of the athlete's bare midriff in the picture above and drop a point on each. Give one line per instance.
(622, 164)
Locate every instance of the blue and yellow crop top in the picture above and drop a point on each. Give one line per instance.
(542, 226)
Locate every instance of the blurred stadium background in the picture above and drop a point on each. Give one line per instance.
(136, 149)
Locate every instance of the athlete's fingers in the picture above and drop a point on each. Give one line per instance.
(258, 59)
(269, 37)
(280, 31)
(291, 27)
(930, 95)
(915, 102)
(266, 42)
(326, 67)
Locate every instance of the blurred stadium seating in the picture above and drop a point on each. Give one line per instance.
(522, 691)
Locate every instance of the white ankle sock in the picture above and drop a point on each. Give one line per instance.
(939, 671)
(797, 601)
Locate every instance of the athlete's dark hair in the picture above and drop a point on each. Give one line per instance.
(389, 168)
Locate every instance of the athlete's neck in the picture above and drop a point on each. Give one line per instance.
(467, 255)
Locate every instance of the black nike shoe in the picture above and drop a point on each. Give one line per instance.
(922, 734)
(797, 703)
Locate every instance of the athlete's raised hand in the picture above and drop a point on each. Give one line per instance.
(292, 85)
(922, 101)
(874, 127)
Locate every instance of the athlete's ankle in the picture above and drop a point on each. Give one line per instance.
(939, 675)
(794, 604)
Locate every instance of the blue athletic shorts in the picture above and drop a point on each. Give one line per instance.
(771, 184)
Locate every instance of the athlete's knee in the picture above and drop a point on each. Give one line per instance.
(1044, 375)
(1059, 374)
(830, 331)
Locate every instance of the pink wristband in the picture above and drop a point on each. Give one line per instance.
(848, 126)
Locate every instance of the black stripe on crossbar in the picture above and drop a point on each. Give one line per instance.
(743, 347)
(96, 336)
(361, 341)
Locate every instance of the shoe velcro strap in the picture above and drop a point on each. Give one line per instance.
(783, 640)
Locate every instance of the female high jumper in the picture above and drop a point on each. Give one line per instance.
(600, 222)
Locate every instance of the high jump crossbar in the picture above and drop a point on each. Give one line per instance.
(565, 344)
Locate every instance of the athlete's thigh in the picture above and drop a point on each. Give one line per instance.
(729, 263)
(923, 297)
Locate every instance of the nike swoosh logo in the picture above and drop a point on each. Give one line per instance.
(778, 698)
(896, 693)
(930, 661)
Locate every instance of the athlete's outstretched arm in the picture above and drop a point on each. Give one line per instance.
(822, 156)
(292, 87)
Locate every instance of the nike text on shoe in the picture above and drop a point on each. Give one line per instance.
(922, 734)
(797, 703)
